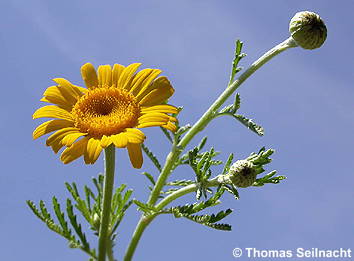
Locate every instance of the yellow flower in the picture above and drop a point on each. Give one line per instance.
(117, 102)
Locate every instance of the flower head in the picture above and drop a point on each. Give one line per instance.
(242, 173)
(308, 30)
(115, 105)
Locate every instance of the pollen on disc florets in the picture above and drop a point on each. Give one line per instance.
(106, 111)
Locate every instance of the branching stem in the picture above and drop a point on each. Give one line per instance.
(196, 128)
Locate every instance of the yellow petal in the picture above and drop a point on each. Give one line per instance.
(66, 107)
(71, 92)
(52, 111)
(147, 84)
(105, 141)
(120, 140)
(55, 140)
(56, 145)
(93, 151)
(160, 108)
(50, 126)
(59, 96)
(60, 134)
(69, 139)
(126, 77)
(151, 124)
(89, 76)
(104, 76)
(173, 119)
(162, 90)
(135, 155)
(153, 116)
(74, 151)
(160, 81)
(170, 126)
(136, 132)
(139, 78)
(80, 90)
(142, 80)
(45, 100)
(135, 135)
(116, 74)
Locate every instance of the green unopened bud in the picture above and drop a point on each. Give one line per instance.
(308, 30)
(96, 222)
(242, 174)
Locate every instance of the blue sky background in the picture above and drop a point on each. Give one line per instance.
(303, 99)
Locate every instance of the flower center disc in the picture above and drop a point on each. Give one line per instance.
(106, 111)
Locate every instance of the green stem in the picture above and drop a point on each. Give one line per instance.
(183, 191)
(103, 239)
(197, 127)
(209, 114)
(145, 220)
(110, 250)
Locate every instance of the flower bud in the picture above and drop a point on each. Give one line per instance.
(96, 222)
(242, 174)
(308, 30)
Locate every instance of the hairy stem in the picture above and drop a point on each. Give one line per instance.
(196, 128)
(103, 240)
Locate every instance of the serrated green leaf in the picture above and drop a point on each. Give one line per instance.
(232, 190)
(181, 130)
(149, 177)
(237, 102)
(44, 210)
(120, 204)
(261, 158)
(223, 227)
(147, 209)
(232, 108)
(198, 193)
(180, 183)
(60, 216)
(35, 210)
(80, 203)
(227, 109)
(76, 225)
(205, 219)
(44, 216)
(228, 164)
(250, 124)
(190, 209)
(88, 195)
(98, 182)
(237, 57)
(127, 195)
(152, 157)
(202, 143)
(54, 227)
(117, 217)
(268, 179)
(219, 216)
(201, 162)
(167, 134)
